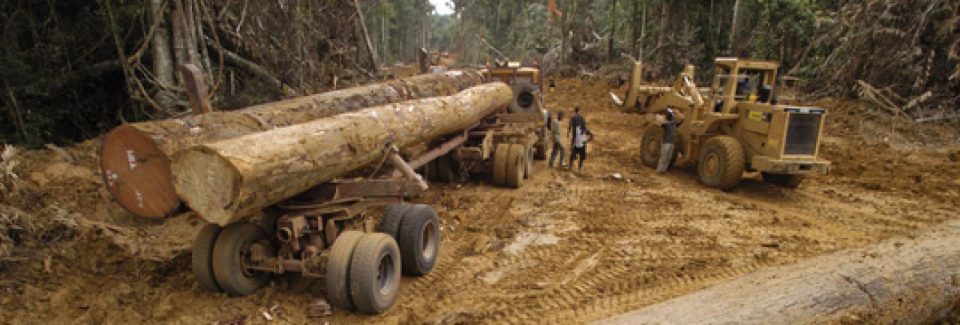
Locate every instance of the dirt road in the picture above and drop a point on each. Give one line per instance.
(565, 248)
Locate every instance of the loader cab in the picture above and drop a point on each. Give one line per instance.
(737, 81)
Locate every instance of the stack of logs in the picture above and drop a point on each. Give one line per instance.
(229, 164)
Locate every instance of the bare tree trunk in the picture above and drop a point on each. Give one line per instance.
(733, 28)
(179, 33)
(366, 37)
(634, 28)
(148, 191)
(190, 32)
(228, 180)
(384, 45)
(162, 60)
(664, 24)
(613, 28)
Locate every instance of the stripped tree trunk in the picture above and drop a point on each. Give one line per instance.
(227, 180)
(135, 158)
(162, 59)
(733, 28)
(366, 37)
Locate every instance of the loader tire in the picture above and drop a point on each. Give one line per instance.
(721, 163)
(419, 240)
(338, 269)
(500, 164)
(651, 143)
(230, 257)
(515, 163)
(202, 257)
(524, 98)
(375, 273)
(783, 180)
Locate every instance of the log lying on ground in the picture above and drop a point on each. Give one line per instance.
(227, 180)
(135, 158)
(895, 281)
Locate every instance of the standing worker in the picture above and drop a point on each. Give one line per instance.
(557, 151)
(669, 126)
(580, 135)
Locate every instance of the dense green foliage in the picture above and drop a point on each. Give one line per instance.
(69, 70)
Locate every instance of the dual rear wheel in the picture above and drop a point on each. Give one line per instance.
(222, 258)
(511, 163)
(363, 269)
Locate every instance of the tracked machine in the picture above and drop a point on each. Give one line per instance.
(734, 126)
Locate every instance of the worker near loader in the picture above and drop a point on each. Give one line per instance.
(558, 151)
(669, 125)
(579, 137)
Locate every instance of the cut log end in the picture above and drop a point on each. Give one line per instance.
(137, 173)
(207, 182)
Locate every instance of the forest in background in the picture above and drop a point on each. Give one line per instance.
(69, 70)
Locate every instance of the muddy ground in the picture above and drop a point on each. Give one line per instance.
(565, 248)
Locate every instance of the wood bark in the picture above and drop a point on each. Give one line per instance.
(162, 57)
(227, 180)
(892, 282)
(135, 158)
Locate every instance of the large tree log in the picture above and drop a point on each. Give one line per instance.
(896, 281)
(227, 180)
(135, 158)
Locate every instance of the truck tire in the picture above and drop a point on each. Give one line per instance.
(721, 163)
(524, 98)
(392, 217)
(338, 269)
(202, 257)
(528, 160)
(500, 164)
(375, 273)
(229, 259)
(419, 240)
(651, 142)
(515, 163)
(783, 180)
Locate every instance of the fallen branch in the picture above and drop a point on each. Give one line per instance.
(254, 68)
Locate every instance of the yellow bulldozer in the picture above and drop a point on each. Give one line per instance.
(734, 126)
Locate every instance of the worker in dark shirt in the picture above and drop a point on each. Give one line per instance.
(669, 126)
(579, 137)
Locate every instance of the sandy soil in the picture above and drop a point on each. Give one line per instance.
(565, 248)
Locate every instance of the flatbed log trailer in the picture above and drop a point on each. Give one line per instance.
(331, 231)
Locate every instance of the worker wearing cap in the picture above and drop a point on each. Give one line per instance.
(669, 125)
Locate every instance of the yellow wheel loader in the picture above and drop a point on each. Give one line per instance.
(734, 126)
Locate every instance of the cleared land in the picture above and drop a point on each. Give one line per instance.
(564, 248)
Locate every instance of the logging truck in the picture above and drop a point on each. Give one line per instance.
(505, 145)
(290, 200)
